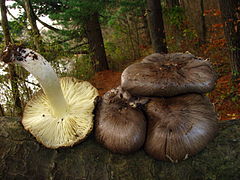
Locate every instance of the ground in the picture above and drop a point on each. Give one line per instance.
(225, 97)
(106, 80)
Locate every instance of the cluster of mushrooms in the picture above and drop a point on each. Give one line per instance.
(160, 105)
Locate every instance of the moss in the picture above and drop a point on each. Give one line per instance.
(21, 157)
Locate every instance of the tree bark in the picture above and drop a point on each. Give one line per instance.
(4, 23)
(231, 16)
(47, 25)
(156, 26)
(17, 109)
(172, 3)
(21, 157)
(11, 68)
(96, 44)
(146, 29)
(1, 110)
(33, 23)
(203, 32)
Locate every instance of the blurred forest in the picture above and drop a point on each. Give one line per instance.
(95, 40)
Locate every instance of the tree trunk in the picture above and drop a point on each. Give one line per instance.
(172, 3)
(130, 36)
(1, 110)
(231, 16)
(146, 29)
(203, 32)
(4, 23)
(33, 23)
(95, 39)
(156, 26)
(14, 86)
(21, 157)
(11, 68)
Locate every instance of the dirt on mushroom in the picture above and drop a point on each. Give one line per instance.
(226, 105)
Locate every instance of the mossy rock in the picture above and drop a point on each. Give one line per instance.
(22, 157)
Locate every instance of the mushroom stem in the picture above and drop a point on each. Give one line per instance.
(41, 69)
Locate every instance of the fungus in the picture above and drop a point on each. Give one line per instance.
(120, 126)
(179, 127)
(61, 114)
(168, 75)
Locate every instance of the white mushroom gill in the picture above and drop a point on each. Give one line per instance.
(61, 114)
(74, 126)
(44, 73)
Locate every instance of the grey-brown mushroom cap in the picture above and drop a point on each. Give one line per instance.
(168, 75)
(119, 127)
(179, 127)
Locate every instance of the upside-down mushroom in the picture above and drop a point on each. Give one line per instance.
(179, 127)
(120, 126)
(168, 75)
(61, 114)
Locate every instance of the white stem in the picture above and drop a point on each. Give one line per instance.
(44, 73)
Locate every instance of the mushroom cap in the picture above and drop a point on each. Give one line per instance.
(168, 75)
(55, 132)
(179, 127)
(120, 127)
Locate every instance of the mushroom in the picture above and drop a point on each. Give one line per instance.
(168, 75)
(179, 127)
(61, 114)
(120, 126)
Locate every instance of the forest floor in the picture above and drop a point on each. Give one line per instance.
(225, 97)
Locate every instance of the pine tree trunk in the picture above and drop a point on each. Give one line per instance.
(21, 157)
(231, 16)
(11, 68)
(95, 40)
(156, 26)
(33, 23)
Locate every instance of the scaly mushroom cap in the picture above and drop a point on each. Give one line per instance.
(121, 128)
(179, 127)
(168, 75)
(70, 129)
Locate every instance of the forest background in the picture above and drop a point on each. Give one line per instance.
(95, 40)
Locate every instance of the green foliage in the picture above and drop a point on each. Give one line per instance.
(73, 12)
(1, 36)
(190, 33)
(175, 15)
(16, 29)
(136, 7)
(124, 7)
(81, 67)
(124, 32)
(118, 56)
